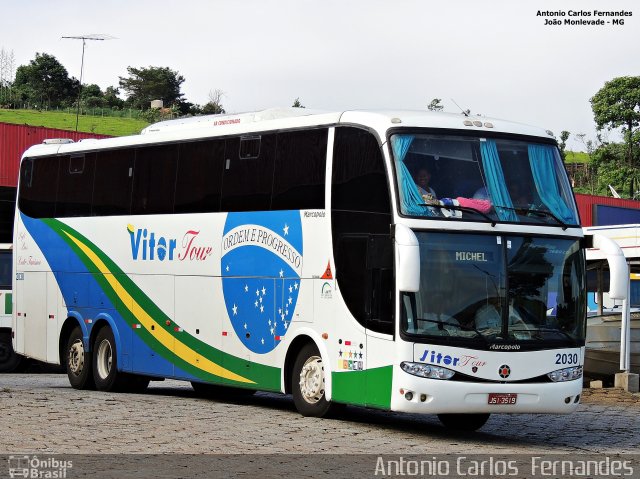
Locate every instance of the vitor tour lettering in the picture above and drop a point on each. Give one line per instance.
(434, 357)
(146, 245)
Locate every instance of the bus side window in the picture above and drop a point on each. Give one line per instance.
(7, 213)
(247, 179)
(359, 181)
(75, 185)
(199, 179)
(299, 177)
(37, 195)
(154, 180)
(113, 180)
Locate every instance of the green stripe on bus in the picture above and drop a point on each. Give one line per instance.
(8, 303)
(348, 387)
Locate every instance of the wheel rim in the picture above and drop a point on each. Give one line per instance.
(104, 359)
(76, 357)
(312, 380)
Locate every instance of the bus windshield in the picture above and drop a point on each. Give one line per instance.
(482, 179)
(482, 290)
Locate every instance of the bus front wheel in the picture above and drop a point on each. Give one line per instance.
(78, 362)
(463, 422)
(308, 384)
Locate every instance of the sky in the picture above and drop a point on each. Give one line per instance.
(494, 57)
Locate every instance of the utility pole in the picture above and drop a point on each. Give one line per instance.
(84, 38)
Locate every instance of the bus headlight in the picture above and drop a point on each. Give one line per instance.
(426, 371)
(567, 374)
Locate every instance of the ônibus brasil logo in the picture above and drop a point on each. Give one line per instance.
(146, 245)
(261, 266)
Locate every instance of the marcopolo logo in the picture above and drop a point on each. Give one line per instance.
(261, 267)
(146, 245)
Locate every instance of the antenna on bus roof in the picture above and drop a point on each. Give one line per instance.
(464, 112)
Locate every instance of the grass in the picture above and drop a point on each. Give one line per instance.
(576, 157)
(65, 121)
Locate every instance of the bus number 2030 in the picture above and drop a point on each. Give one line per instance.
(567, 358)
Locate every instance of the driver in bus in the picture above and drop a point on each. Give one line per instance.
(488, 315)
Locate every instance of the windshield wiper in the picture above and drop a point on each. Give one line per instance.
(442, 323)
(468, 209)
(544, 330)
(533, 211)
(550, 214)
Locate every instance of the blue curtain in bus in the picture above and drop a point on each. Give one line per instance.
(410, 197)
(543, 167)
(496, 184)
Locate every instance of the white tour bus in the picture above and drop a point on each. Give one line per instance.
(410, 261)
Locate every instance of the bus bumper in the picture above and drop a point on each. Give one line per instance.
(434, 396)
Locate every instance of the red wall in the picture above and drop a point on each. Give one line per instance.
(587, 202)
(15, 139)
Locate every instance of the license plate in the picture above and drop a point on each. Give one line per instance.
(502, 398)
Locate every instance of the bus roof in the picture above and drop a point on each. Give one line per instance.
(287, 118)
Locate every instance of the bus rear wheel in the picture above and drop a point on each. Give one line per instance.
(308, 384)
(78, 362)
(9, 360)
(464, 422)
(105, 367)
(105, 362)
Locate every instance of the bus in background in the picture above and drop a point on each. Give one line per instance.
(409, 261)
(9, 360)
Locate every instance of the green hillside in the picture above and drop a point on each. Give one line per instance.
(576, 157)
(103, 125)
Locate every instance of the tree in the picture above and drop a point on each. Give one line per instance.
(111, 98)
(564, 136)
(7, 70)
(297, 104)
(617, 105)
(435, 105)
(92, 96)
(152, 83)
(45, 82)
(214, 105)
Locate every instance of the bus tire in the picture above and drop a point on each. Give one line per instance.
(105, 363)
(464, 422)
(78, 362)
(9, 360)
(308, 384)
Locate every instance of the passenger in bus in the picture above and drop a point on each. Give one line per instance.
(422, 182)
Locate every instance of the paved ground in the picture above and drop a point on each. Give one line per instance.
(43, 414)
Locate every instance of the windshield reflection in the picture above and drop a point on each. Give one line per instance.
(483, 289)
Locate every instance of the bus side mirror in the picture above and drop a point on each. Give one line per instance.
(407, 259)
(618, 269)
